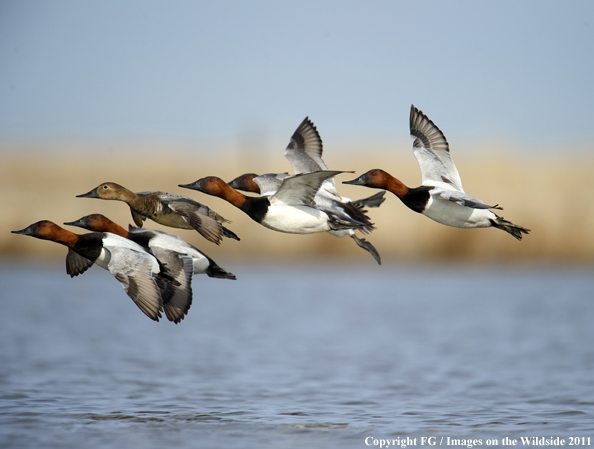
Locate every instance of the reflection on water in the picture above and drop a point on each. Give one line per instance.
(298, 356)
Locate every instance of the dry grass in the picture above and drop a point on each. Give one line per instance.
(549, 195)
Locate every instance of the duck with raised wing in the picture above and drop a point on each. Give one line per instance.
(440, 195)
(304, 152)
(269, 183)
(168, 209)
(137, 270)
(290, 209)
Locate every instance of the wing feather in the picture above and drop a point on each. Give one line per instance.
(134, 270)
(300, 190)
(432, 151)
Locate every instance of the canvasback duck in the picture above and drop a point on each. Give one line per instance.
(290, 209)
(131, 265)
(176, 301)
(271, 182)
(202, 264)
(304, 152)
(167, 209)
(246, 183)
(440, 195)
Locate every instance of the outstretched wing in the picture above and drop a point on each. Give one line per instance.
(300, 190)
(304, 151)
(269, 183)
(134, 270)
(177, 299)
(432, 151)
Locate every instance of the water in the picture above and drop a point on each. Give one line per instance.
(298, 356)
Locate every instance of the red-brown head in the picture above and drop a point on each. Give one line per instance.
(97, 223)
(48, 230)
(245, 182)
(375, 178)
(211, 185)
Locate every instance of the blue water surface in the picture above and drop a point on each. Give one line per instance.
(298, 355)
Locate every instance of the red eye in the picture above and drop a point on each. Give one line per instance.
(41, 225)
(373, 174)
(247, 178)
(94, 218)
(210, 180)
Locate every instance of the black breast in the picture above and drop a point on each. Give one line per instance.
(417, 198)
(256, 208)
(90, 245)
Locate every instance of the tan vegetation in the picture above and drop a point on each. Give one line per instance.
(548, 194)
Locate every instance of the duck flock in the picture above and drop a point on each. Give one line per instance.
(156, 268)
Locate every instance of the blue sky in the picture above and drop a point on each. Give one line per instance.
(203, 73)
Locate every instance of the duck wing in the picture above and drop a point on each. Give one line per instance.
(134, 270)
(76, 264)
(462, 198)
(301, 189)
(304, 150)
(199, 218)
(177, 299)
(432, 151)
(269, 183)
(138, 219)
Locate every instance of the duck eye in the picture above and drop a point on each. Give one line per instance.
(210, 180)
(41, 225)
(247, 178)
(373, 174)
(94, 218)
(104, 187)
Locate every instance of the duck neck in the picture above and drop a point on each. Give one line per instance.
(115, 228)
(65, 237)
(232, 196)
(128, 196)
(397, 187)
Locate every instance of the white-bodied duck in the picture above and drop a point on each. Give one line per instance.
(290, 209)
(202, 264)
(440, 195)
(137, 270)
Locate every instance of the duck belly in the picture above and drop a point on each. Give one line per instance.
(295, 220)
(458, 216)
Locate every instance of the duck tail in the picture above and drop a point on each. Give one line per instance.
(214, 271)
(230, 234)
(509, 227)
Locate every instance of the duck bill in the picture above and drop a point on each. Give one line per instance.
(91, 194)
(356, 182)
(27, 231)
(191, 186)
(235, 183)
(78, 223)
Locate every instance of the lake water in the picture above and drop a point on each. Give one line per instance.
(297, 356)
